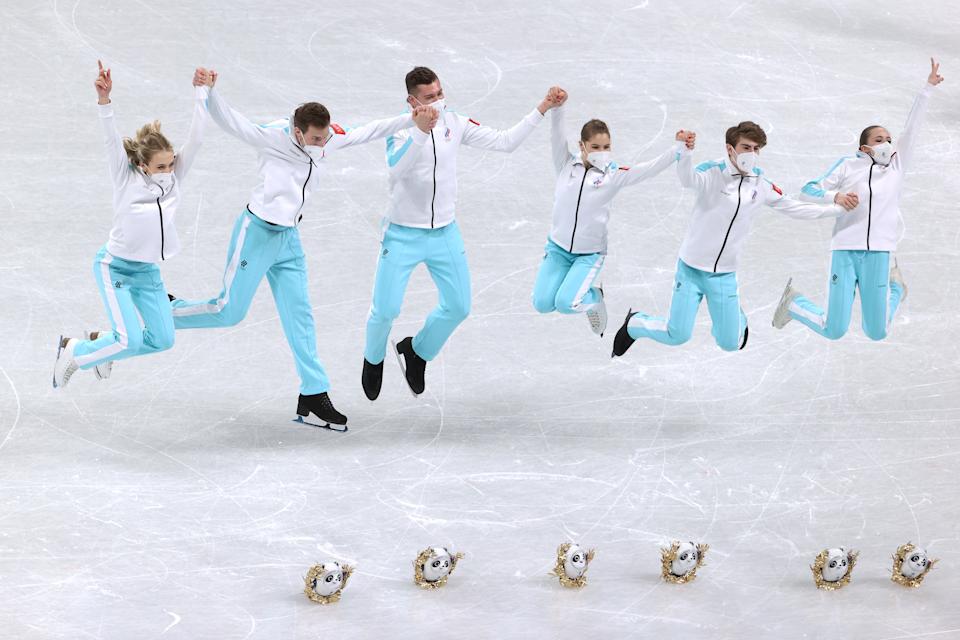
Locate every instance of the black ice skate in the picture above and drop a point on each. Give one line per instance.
(412, 365)
(622, 341)
(372, 379)
(319, 405)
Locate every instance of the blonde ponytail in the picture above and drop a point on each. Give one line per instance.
(149, 141)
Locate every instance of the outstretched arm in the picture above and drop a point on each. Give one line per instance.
(116, 155)
(639, 172)
(202, 81)
(908, 138)
(374, 130)
(506, 140)
(798, 209)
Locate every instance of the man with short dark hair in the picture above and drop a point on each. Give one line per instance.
(266, 242)
(729, 193)
(420, 228)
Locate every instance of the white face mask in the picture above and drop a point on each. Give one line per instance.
(163, 180)
(882, 152)
(748, 161)
(600, 159)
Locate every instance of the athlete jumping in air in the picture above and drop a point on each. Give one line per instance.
(146, 177)
(863, 239)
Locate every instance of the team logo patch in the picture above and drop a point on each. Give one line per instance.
(776, 188)
(337, 128)
(118, 284)
(447, 134)
(243, 264)
(472, 121)
(754, 196)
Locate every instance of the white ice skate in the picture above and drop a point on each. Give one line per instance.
(782, 315)
(897, 277)
(597, 315)
(65, 365)
(102, 370)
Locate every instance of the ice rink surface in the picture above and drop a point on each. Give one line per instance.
(178, 500)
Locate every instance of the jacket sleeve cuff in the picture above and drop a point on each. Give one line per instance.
(105, 110)
(534, 117)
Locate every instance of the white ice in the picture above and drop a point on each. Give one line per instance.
(178, 500)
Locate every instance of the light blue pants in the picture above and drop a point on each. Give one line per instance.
(403, 248)
(690, 287)
(259, 249)
(565, 280)
(879, 298)
(130, 291)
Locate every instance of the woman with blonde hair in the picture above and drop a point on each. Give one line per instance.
(146, 178)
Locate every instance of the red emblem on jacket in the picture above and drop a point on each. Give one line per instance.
(776, 188)
(474, 122)
(337, 128)
(624, 168)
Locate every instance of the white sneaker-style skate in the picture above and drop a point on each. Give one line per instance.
(102, 370)
(897, 277)
(597, 315)
(66, 365)
(782, 315)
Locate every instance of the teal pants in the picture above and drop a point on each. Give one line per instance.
(565, 280)
(690, 287)
(130, 291)
(402, 249)
(868, 271)
(258, 249)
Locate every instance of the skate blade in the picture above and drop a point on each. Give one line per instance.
(59, 349)
(403, 369)
(340, 428)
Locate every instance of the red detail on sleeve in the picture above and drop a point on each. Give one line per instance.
(337, 128)
(624, 168)
(474, 122)
(776, 188)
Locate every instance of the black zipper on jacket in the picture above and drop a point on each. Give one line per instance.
(576, 214)
(433, 199)
(303, 190)
(161, 227)
(870, 203)
(732, 220)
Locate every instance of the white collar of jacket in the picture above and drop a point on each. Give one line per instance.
(731, 172)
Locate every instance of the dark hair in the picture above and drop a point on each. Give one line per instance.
(311, 114)
(418, 76)
(592, 128)
(865, 134)
(749, 130)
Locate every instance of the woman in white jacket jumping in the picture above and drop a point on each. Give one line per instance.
(864, 238)
(587, 182)
(146, 176)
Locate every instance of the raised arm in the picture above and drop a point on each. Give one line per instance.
(234, 122)
(117, 159)
(908, 138)
(558, 132)
(692, 178)
(507, 140)
(202, 81)
(404, 149)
